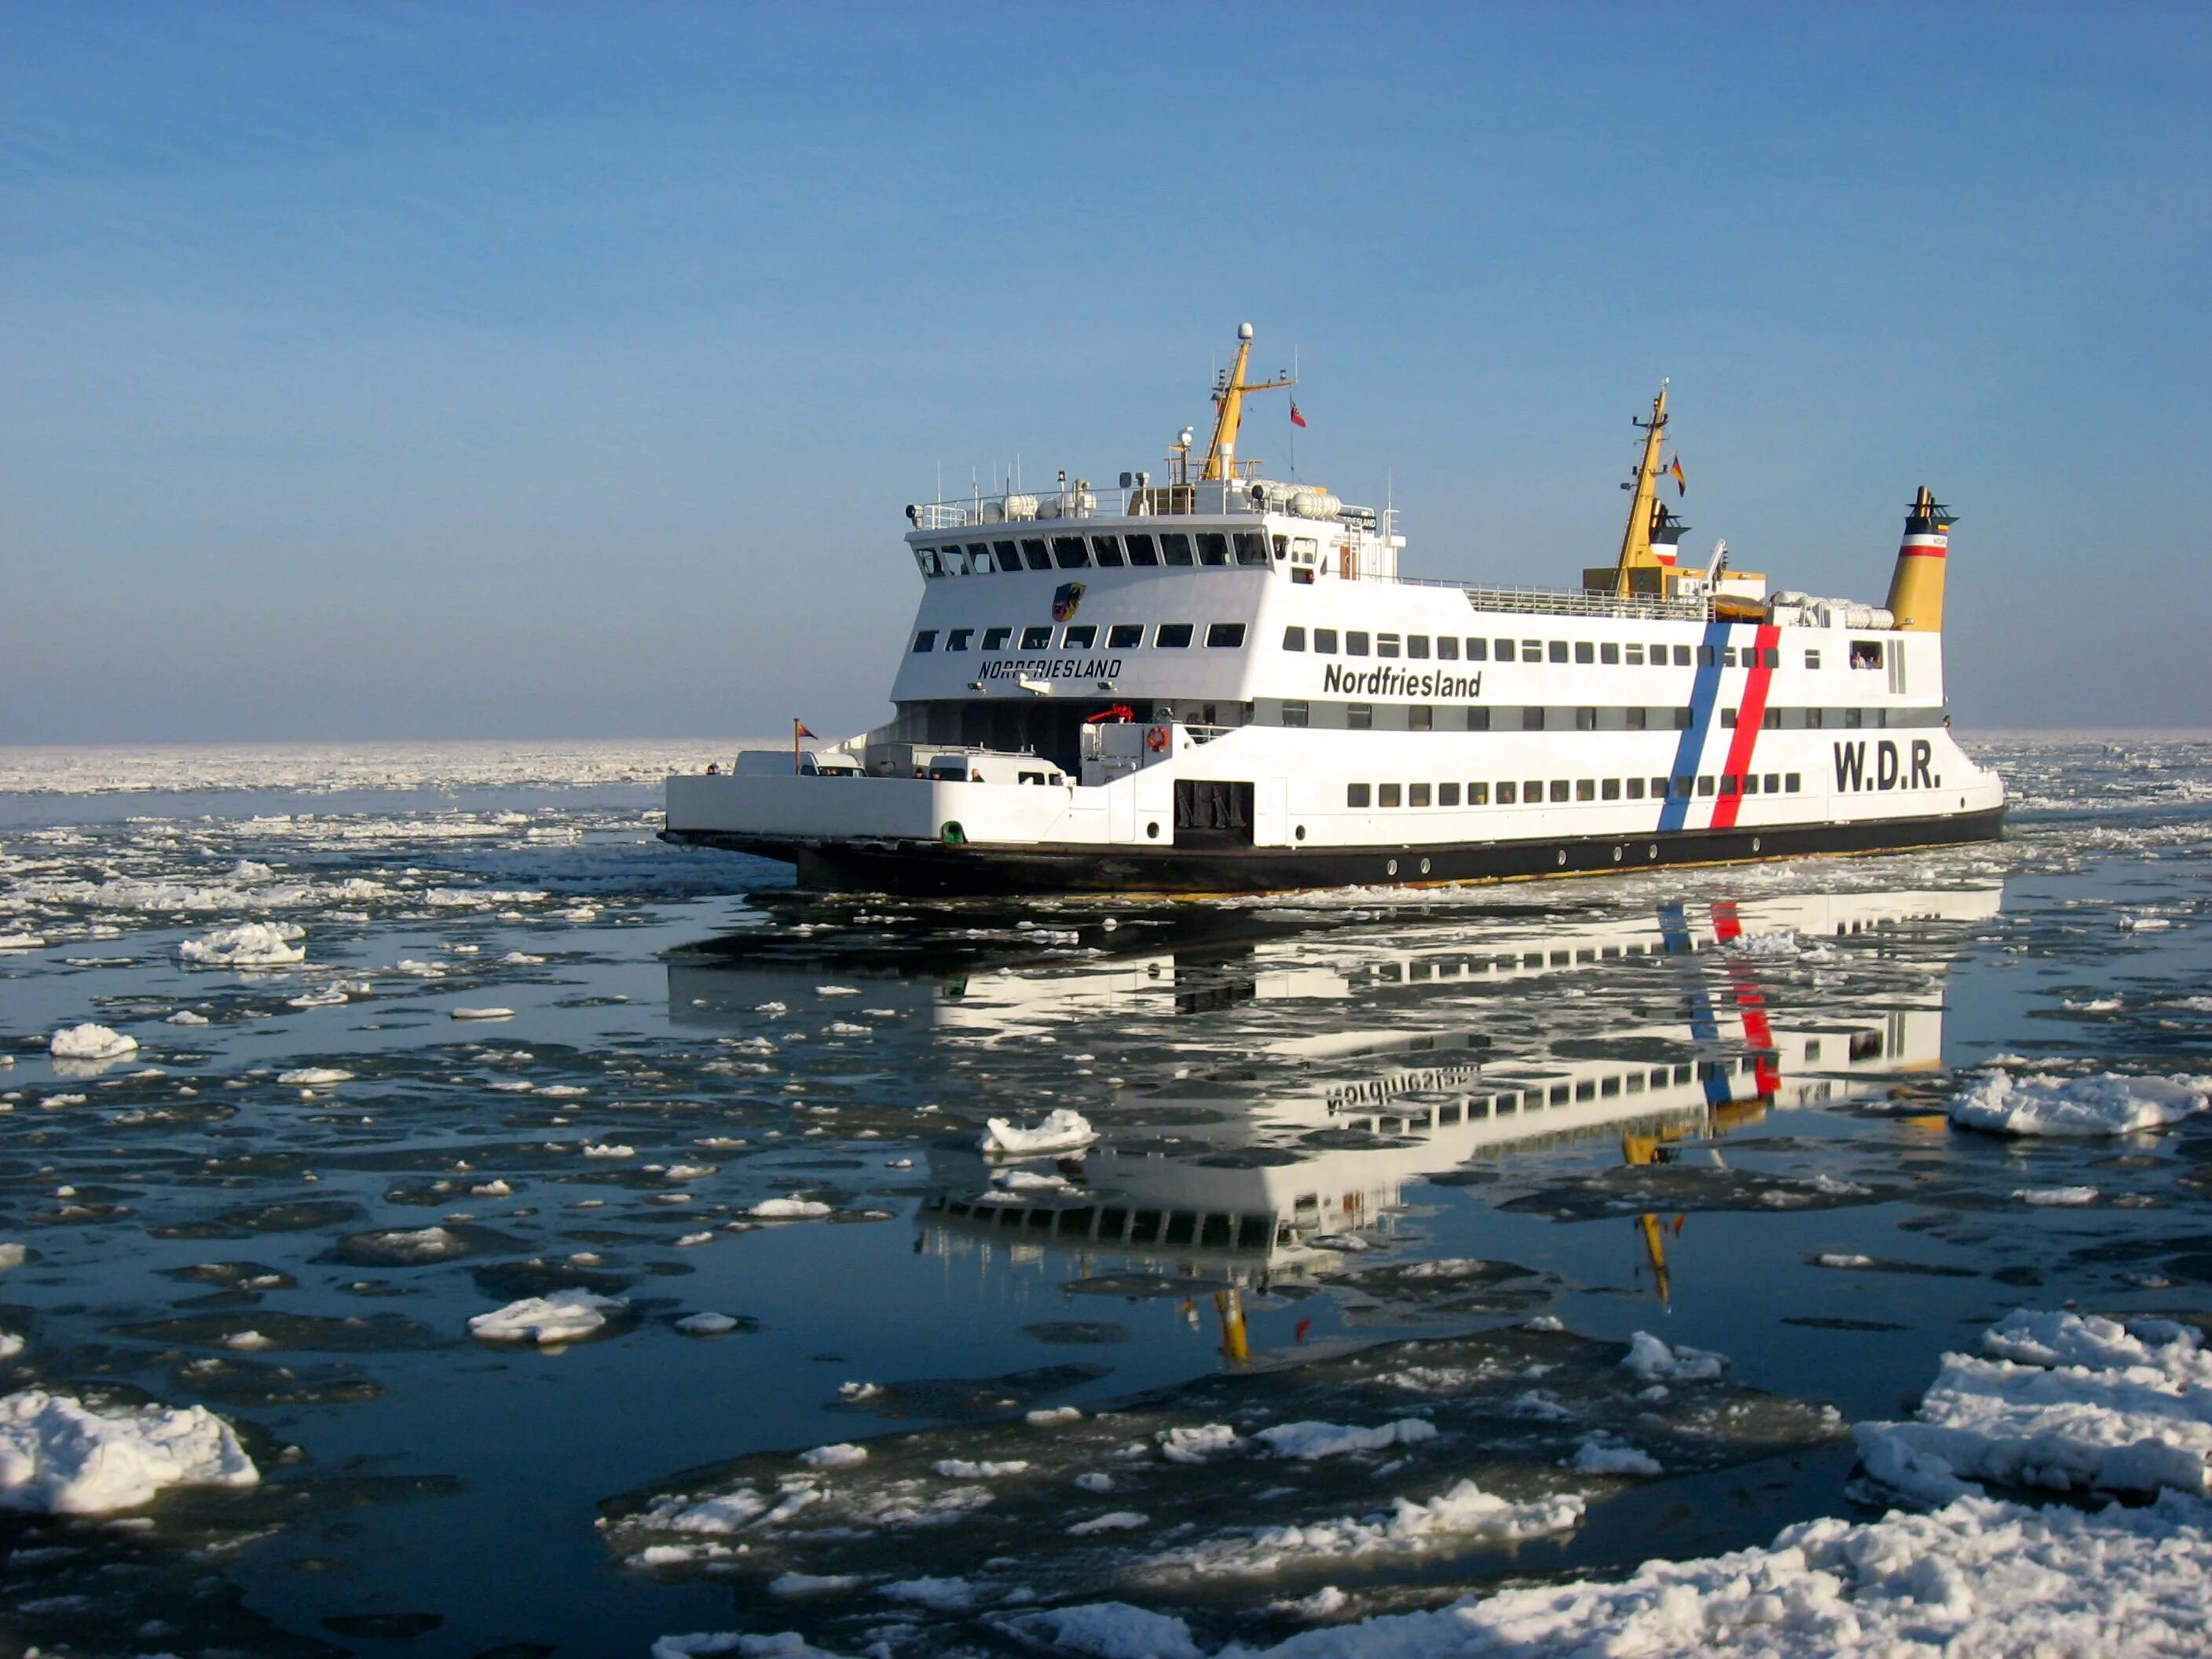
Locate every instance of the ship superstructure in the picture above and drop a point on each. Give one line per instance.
(1212, 681)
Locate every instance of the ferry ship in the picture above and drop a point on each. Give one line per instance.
(1218, 682)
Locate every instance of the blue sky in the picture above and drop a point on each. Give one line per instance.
(562, 371)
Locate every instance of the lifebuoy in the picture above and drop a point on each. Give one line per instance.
(1157, 740)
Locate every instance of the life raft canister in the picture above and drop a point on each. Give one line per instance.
(1157, 740)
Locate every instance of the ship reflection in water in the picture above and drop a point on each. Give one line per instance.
(1252, 1140)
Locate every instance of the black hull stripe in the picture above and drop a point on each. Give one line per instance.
(921, 868)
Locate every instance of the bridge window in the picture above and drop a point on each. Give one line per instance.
(1386, 795)
(1251, 547)
(1212, 547)
(994, 639)
(1417, 645)
(1355, 794)
(959, 639)
(1508, 791)
(1355, 643)
(1172, 637)
(1294, 638)
(1080, 636)
(1325, 641)
(1360, 716)
(1559, 650)
(1174, 547)
(1447, 647)
(1585, 651)
(1107, 550)
(1125, 637)
(1224, 636)
(1142, 550)
(1009, 560)
(1866, 654)
(979, 558)
(1038, 638)
(926, 641)
(1033, 554)
(926, 557)
(1446, 795)
(1070, 554)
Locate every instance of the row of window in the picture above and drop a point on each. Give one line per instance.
(1511, 792)
(1084, 636)
(1446, 648)
(1172, 547)
(1537, 717)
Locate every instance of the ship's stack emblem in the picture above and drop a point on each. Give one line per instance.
(1065, 599)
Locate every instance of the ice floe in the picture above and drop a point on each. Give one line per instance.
(2105, 1104)
(250, 944)
(60, 1456)
(1654, 1360)
(90, 1041)
(789, 1209)
(314, 1077)
(1310, 1441)
(481, 1013)
(1061, 1130)
(560, 1316)
(2056, 1197)
(2069, 1402)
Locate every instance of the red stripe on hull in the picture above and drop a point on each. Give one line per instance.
(1749, 716)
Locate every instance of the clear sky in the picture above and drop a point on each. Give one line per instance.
(562, 370)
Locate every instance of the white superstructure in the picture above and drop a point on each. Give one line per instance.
(1218, 682)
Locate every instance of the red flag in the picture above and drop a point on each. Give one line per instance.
(1297, 419)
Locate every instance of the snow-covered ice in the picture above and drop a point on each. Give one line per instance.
(1654, 1361)
(249, 945)
(1062, 1130)
(2105, 1104)
(90, 1041)
(61, 1456)
(1310, 1441)
(560, 1316)
(789, 1209)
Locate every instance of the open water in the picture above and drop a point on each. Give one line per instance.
(1364, 1159)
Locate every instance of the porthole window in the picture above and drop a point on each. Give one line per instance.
(1153, 831)
(1391, 868)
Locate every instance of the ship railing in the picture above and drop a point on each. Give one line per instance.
(1092, 501)
(1567, 602)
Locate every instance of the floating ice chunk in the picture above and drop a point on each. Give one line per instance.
(859, 1391)
(842, 1454)
(956, 1469)
(414, 1244)
(1029, 1180)
(185, 1017)
(1446, 1268)
(90, 1041)
(771, 1009)
(491, 1190)
(836, 991)
(942, 1595)
(563, 1317)
(1842, 1258)
(1112, 1521)
(249, 1340)
(21, 942)
(562, 1091)
(330, 996)
(1652, 1360)
(813, 1583)
(1049, 1417)
(2105, 1104)
(313, 1077)
(1544, 1323)
(521, 959)
(1597, 1455)
(784, 1644)
(249, 945)
(1310, 1441)
(1324, 1603)
(2056, 1197)
(1411, 1527)
(692, 1240)
(1094, 1481)
(794, 1208)
(11, 1345)
(844, 1028)
(609, 1149)
(483, 1014)
(1108, 1629)
(1196, 1444)
(11, 1256)
(60, 1456)
(2096, 1406)
(1062, 1130)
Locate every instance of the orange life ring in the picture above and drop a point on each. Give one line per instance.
(1157, 740)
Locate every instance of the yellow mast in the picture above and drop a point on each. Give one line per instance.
(1636, 541)
(1228, 409)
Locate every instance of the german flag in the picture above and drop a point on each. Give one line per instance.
(1681, 484)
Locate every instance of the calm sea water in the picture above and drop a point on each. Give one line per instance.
(1704, 1105)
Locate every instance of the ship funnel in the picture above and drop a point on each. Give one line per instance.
(1916, 591)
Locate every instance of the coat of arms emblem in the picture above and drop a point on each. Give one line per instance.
(1065, 598)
